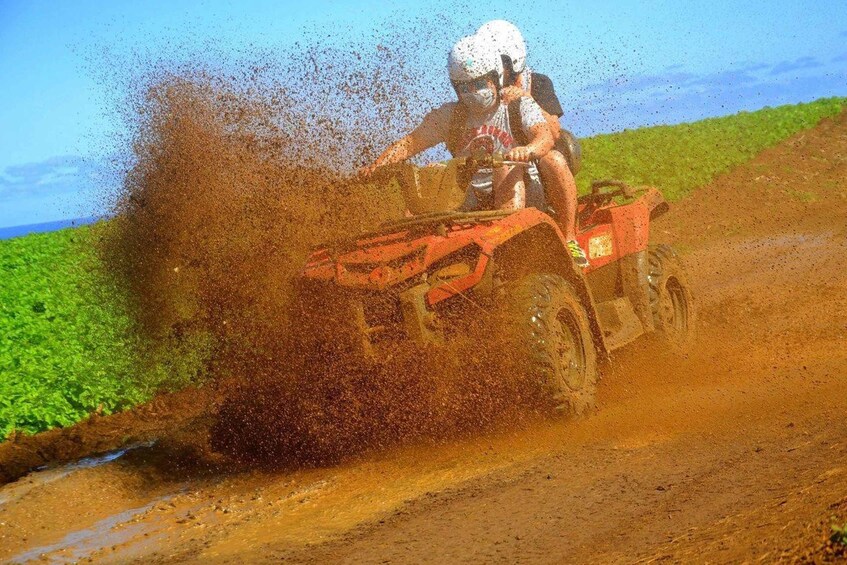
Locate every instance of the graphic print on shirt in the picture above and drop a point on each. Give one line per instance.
(489, 138)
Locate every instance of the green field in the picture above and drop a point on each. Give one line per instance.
(680, 158)
(66, 342)
(67, 347)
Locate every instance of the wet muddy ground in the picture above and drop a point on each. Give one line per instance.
(737, 452)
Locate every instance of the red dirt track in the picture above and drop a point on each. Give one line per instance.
(736, 453)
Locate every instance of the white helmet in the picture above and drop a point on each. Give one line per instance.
(472, 57)
(506, 39)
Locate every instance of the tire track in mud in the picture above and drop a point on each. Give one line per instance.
(721, 456)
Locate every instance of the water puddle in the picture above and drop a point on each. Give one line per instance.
(48, 474)
(75, 546)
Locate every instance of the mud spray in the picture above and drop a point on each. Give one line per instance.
(235, 176)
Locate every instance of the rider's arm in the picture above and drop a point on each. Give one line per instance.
(431, 131)
(537, 131)
(511, 93)
(540, 143)
(402, 149)
(553, 124)
(540, 140)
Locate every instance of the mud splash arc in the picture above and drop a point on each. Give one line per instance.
(234, 178)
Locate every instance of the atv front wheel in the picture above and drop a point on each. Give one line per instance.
(548, 341)
(671, 301)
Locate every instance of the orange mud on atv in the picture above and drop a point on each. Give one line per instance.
(419, 281)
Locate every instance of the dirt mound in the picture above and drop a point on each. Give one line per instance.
(98, 434)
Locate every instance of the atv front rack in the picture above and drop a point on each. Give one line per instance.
(447, 217)
(417, 223)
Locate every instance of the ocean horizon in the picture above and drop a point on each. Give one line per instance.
(18, 231)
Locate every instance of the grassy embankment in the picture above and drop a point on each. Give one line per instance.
(680, 158)
(66, 345)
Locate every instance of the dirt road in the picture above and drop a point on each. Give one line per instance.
(737, 452)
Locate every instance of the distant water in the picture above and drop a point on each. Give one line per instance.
(16, 231)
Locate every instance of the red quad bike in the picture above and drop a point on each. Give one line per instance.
(419, 280)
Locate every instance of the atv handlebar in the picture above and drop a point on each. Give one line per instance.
(480, 159)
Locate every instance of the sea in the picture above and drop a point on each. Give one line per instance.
(18, 231)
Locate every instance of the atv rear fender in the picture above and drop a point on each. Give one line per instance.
(655, 202)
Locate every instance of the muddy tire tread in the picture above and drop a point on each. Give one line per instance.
(530, 301)
(664, 263)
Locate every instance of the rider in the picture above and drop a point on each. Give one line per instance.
(479, 120)
(519, 81)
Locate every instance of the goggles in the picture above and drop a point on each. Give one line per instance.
(471, 85)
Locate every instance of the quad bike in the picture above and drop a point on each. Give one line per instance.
(418, 281)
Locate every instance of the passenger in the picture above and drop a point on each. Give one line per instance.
(519, 81)
(479, 120)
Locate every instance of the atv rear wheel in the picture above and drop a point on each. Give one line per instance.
(548, 341)
(671, 301)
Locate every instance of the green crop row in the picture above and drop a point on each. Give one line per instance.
(67, 347)
(680, 158)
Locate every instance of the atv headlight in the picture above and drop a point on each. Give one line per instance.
(457, 264)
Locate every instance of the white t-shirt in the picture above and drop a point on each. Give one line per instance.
(491, 132)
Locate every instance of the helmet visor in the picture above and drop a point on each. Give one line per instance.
(471, 85)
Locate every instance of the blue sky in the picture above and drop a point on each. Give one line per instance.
(615, 64)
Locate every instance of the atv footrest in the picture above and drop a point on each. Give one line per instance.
(619, 322)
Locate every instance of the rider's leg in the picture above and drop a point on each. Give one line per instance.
(561, 190)
(509, 188)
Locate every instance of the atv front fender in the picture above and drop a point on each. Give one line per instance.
(541, 248)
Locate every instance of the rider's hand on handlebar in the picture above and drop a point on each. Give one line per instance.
(522, 154)
(511, 93)
(367, 171)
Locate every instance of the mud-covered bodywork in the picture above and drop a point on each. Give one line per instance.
(401, 280)
(449, 253)
(405, 280)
